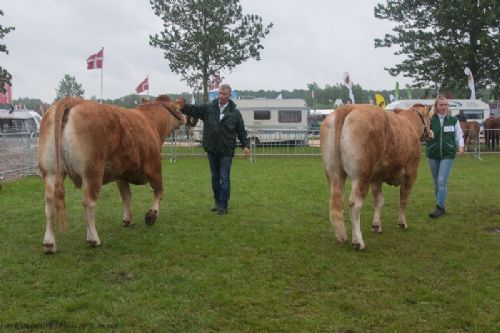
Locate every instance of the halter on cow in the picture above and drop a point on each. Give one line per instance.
(95, 144)
(371, 146)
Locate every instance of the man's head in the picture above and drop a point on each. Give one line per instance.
(224, 93)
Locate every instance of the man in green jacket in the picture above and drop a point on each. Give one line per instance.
(222, 122)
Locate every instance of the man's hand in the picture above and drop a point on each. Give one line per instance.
(246, 152)
(460, 151)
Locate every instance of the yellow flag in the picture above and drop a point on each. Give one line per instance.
(379, 100)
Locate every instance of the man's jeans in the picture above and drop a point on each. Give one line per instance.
(440, 170)
(220, 168)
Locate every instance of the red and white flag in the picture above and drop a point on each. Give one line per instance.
(7, 97)
(95, 60)
(144, 85)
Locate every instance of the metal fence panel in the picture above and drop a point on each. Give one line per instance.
(288, 142)
(18, 150)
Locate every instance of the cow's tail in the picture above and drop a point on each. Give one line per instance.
(61, 111)
(330, 139)
(331, 130)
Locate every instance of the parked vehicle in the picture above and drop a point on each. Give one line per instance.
(19, 121)
(474, 110)
(271, 120)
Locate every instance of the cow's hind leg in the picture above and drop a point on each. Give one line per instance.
(91, 189)
(156, 181)
(378, 199)
(358, 194)
(404, 193)
(49, 240)
(336, 206)
(126, 195)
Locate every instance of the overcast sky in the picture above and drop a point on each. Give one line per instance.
(311, 41)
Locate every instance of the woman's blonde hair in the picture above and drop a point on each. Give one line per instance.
(440, 97)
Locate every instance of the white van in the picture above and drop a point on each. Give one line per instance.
(19, 121)
(475, 110)
(271, 120)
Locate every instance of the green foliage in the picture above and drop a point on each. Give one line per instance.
(271, 265)
(438, 39)
(201, 38)
(31, 103)
(69, 87)
(5, 76)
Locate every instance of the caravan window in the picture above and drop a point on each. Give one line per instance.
(474, 114)
(262, 115)
(289, 116)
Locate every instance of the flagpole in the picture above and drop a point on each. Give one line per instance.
(102, 69)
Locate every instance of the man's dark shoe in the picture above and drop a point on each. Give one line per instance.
(440, 211)
(222, 211)
(214, 209)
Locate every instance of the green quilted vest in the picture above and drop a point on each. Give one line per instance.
(443, 145)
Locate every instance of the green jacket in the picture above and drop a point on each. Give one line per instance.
(219, 135)
(443, 145)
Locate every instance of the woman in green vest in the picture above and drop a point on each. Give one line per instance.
(441, 150)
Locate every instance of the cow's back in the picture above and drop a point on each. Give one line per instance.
(362, 140)
(105, 142)
(378, 145)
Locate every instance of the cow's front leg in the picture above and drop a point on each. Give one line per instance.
(378, 200)
(49, 240)
(156, 182)
(91, 190)
(126, 195)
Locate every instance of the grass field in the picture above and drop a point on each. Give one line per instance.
(271, 265)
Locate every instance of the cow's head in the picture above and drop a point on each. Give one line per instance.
(172, 107)
(425, 114)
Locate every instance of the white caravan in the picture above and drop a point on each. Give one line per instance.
(474, 110)
(19, 121)
(271, 120)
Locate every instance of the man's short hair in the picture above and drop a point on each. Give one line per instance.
(225, 87)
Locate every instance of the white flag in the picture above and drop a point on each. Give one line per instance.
(348, 83)
(470, 82)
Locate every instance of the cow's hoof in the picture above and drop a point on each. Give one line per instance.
(94, 243)
(150, 218)
(128, 223)
(341, 237)
(358, 246)
(49, 248)
(376, 228)
(403, 226)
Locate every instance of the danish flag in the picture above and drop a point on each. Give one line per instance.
(95, 60)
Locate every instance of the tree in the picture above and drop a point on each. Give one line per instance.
(69, 87)
(5, 76)
(203, 37)
(440, 38)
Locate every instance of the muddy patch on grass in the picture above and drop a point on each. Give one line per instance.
(492, 230)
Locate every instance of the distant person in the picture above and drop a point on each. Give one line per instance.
(441, 150)
(222, 123)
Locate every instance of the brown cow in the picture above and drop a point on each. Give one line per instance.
(371, 146)
(95, 144)
(492, 132)
(471, 132)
